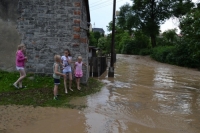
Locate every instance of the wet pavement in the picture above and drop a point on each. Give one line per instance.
(144, 97)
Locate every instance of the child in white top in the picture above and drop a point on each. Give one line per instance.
(78, 71)
(67, 70)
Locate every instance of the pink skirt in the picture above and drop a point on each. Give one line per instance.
(78, 74)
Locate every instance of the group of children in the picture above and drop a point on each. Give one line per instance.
(61, 67)
(65, 62)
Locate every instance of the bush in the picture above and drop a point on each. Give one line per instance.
(145, 51)
(180, 54)
(186, 56)
(161, 53)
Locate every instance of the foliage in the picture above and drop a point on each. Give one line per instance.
(133, 45)
(180, 7)
(103, 45)
(124, 20)
(97, 35)
(183, 55)
(149, 15)
(92, 40)
(124, 39)
(190, 30)
(180, 55)
(39, 91)
(161, 53)
(139, 42)
(170, 35)
(146, 51)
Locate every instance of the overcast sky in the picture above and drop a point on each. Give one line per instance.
(101, 14)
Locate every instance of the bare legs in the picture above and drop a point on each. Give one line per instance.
(78, 83)
(55, 90)
(65, 84)
(22, 76)
(70, 82)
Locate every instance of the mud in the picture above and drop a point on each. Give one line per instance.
(144, 97)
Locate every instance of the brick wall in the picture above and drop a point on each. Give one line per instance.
(48, 27)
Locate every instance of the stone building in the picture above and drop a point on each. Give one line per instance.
(47, 27)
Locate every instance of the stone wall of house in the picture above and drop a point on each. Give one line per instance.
(9, 37)
(48, 27)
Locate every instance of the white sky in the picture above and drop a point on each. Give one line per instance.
(101, 14)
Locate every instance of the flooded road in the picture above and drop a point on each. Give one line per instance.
(144, 97)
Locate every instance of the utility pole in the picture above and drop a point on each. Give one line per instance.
(111, 68)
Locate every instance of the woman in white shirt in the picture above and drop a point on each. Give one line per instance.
(67, 69)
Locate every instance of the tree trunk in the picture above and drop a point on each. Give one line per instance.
(153, 41)
(153, 37)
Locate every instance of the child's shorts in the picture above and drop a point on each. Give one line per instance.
(56, 81)
(19, 68)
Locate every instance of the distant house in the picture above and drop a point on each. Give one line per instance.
(100, 30)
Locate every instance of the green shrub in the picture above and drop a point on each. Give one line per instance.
(145, 51)
(160, 53)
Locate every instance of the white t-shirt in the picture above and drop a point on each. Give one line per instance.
(67, 67)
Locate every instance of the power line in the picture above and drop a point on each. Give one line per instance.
(97, 2)
(101, 4)
(104, 5)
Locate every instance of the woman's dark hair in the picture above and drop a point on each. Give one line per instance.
(68, 52)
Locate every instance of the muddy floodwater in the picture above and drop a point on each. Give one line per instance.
(144, 97)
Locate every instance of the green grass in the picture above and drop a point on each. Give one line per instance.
(39, 91)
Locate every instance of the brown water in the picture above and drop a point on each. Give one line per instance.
(144, 97)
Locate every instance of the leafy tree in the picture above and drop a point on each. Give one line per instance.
(102, 44)
(124, 20)
(120, 34)
(94, 37)
(148, 15)
(180, 7)
(190, 29)
(92, 40)
(170, 35)
(125, 38)
(133, 45)
(97, 35)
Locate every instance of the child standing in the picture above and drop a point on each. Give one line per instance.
(20, 63)
(56, 75)
(78, 71)
(67, 70)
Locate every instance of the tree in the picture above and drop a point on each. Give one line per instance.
(103, 45)
(94, 37)
(92, 40)
(170, 35)
(148, 15)
(190, 30)
(124, 20)
(97, 35)
(180, 7)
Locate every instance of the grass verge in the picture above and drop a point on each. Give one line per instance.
(39, 91)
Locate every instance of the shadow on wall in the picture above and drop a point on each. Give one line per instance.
(8, 10)
(9, 37)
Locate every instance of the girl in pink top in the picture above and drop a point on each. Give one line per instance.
(20, 63)
(78, 71)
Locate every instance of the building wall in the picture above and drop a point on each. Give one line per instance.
(47, 27)
(9, 37)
